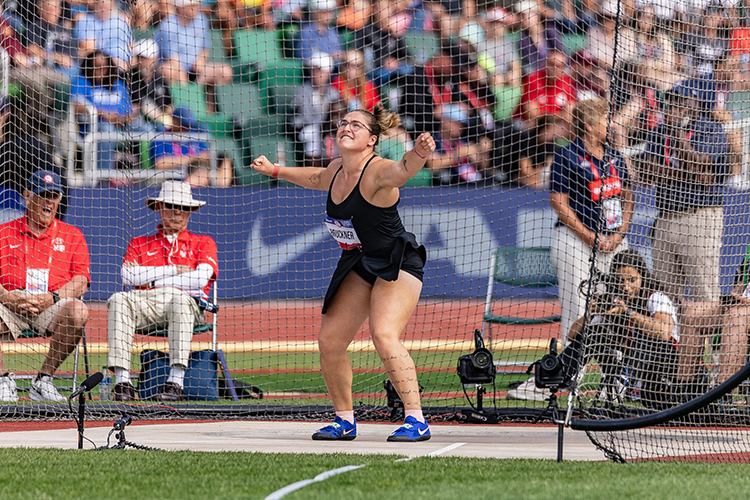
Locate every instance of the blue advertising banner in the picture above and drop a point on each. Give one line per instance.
(273, 244)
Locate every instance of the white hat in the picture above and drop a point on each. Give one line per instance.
(146, 48)
(472, 32)
(184, 3)
(176, 193)
(321, 4)
(321, 60)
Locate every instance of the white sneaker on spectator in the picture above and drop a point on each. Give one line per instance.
(43, 389)
(8, 390)
(528, 391)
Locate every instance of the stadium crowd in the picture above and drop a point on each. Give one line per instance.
(496, 88)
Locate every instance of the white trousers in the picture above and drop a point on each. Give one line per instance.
(571, 258)
(139, 311)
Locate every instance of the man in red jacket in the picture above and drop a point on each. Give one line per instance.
(172, 272)
(44, 270)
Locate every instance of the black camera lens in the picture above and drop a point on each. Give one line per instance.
(549, 362)
(482, 359)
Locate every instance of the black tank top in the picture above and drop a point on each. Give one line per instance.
(379, 229)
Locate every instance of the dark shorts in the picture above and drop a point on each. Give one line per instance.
(412, 264)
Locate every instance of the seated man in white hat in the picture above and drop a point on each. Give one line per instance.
(171, 273)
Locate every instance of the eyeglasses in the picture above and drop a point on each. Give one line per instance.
(354, 124)
(176, 208)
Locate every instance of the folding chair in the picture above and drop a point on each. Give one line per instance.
(30, 334)
(525, 267)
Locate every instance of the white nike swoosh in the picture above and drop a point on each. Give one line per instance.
(346, 433)
(15, 246)
(423, 431)
(265, 259)
(152, 253)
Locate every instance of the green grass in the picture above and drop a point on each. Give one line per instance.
(117, 474)
(298, 373)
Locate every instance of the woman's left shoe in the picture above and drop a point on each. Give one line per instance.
(412, 430)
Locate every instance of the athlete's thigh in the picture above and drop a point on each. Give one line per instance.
(347, 311)
(392, 304)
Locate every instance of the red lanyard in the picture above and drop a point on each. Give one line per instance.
(438, 96)
(473, 99)
(609, 187)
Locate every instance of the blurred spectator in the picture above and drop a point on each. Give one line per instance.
(49, 38)
(230, 15)
(548, 92)
(589, 79)
(336, 112)
(636, 107)
(559, 13)
(500, 47)
(31, 73)
(98, 85)
(739, 38)
(353, 85)
(456, 159)
(536, 40)
(354, 15)
(382, 43)
(105, 28)
(448, 14)
(149, 92)
(198, 172)
(23, 151)
(532, 153)
(319, 35)
(311, 105)
(655, 50)
(702, 49)
(424, 93)
(601, 37)
(175, 154)
(185, 42)
(473, 91)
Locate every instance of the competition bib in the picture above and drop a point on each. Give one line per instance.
(37, 280)
(343, 232)
(612, 213)
(607, 190)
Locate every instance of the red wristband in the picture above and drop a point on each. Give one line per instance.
(275, 170)
(415, 152)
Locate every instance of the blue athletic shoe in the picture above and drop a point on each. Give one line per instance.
(339, 430)
(412, 430)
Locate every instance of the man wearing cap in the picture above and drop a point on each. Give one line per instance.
(185, 41)
(686, 159)
(44, 270)
(171, 273)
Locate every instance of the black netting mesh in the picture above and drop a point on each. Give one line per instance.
(590, 184)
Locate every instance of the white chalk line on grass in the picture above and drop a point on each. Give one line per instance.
(281, 493)
(301, 484)
(436, 452)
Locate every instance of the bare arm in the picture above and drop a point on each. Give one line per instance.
(395, 174)
(307, 177)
